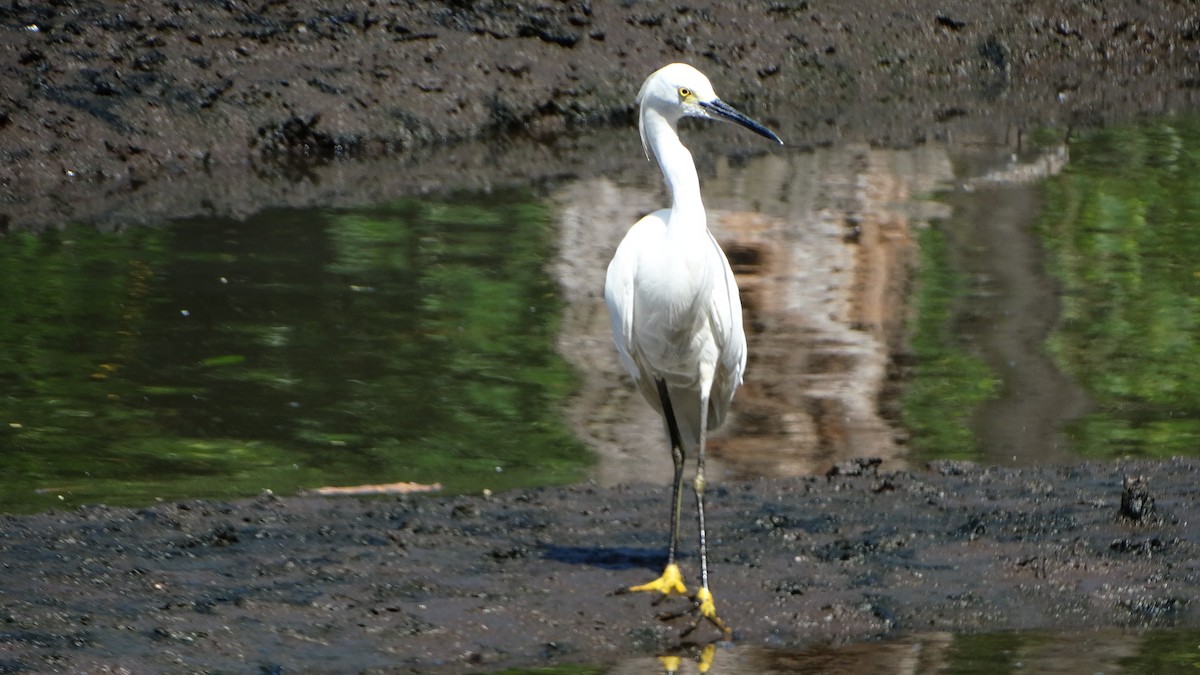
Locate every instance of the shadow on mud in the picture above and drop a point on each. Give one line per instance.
(606, 557)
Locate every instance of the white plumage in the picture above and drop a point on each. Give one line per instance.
(676, 315)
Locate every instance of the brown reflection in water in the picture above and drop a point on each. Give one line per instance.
(903, 656)
(823, 245)
(1036, 652)
(1012, 308)
(827, 306)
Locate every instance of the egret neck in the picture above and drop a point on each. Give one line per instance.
(678, 169)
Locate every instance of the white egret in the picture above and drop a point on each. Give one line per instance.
(676, 315)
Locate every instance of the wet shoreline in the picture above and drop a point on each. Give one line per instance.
(114, 114)
(418, 584)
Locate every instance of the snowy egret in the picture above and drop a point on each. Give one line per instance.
(676, 315)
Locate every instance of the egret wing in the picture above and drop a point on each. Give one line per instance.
(620, 285)
(725, 313)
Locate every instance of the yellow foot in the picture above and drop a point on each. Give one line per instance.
(670, 582)
(703, 608)
(708, 610)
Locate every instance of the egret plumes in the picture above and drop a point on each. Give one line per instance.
(676, 315)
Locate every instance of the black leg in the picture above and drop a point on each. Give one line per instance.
(678, 458)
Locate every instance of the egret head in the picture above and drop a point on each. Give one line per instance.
(679, 90)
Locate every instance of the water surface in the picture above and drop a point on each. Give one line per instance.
(1108, 652)
(1007, 304)
(411, 341)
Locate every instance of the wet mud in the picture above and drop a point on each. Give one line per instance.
(123, 115)
(126, 114)
(420, 584)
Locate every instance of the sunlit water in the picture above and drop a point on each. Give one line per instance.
(1000, 304)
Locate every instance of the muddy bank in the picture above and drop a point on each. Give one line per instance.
(107, 104)
(483, 583)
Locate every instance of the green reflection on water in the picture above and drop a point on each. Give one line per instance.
(408, 342)
(948, 381)
(1146, 653)
(1122, 225)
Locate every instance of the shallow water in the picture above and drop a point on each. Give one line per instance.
(898, 304)
(1115, 235)
(409, 341)
(1107, 652)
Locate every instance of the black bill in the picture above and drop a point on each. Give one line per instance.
(722, 110)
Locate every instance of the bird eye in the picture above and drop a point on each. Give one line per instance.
(684, 92)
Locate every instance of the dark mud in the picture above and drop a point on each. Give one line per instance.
(143, 110)
(311, 584)
(122, 114)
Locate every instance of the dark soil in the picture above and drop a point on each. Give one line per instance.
(121, 113)
(131, 112)
(312, 584)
